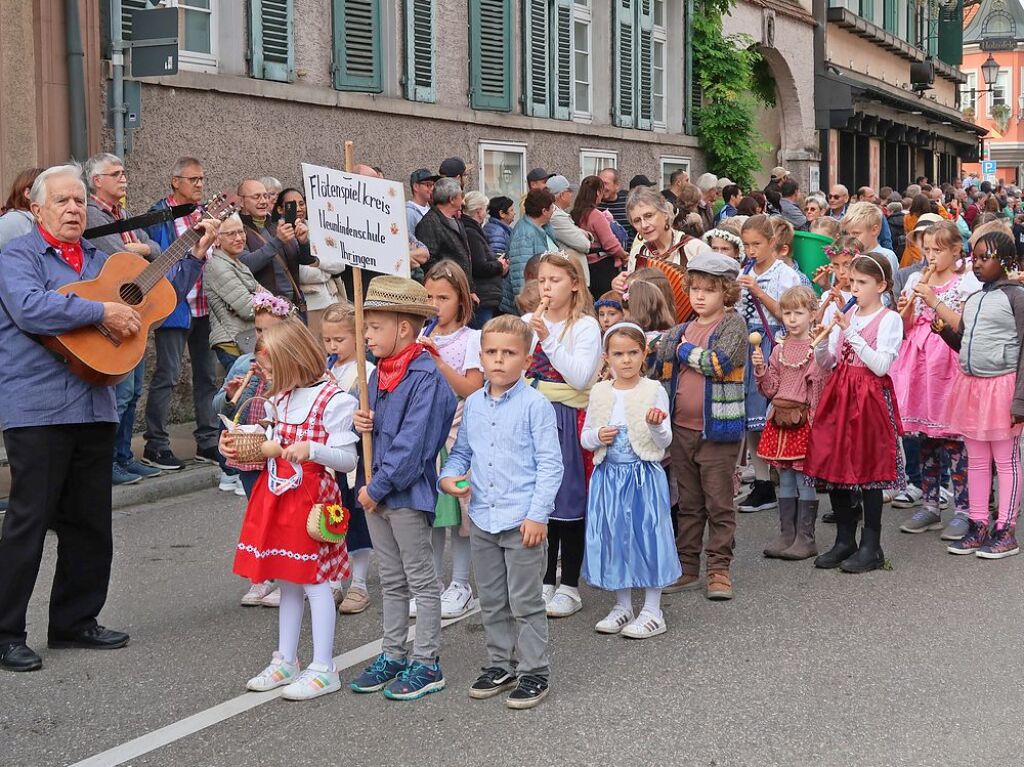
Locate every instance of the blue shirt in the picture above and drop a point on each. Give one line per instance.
(511, 445)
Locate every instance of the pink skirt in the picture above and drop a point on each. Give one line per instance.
(923, 376)
(979, 408)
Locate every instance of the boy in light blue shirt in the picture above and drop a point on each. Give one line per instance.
(507, 459)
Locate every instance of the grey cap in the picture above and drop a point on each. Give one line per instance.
(714, 263)
(559, 184)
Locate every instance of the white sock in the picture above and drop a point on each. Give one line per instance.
(289, 619)
(360, 568)
(322, 615)
(652, 601)
(624, 599)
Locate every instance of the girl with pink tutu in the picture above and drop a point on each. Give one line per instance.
(986, 403)
(925, 370)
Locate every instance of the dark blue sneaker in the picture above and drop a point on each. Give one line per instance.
(416, 681)
(137, 467)
(378, 674)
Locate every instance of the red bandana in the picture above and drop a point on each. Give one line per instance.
(71, 252)
(391, 370)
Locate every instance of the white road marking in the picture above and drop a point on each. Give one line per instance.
(190, 725)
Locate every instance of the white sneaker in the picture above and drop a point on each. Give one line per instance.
(273, 598)
(412, 607)
(908, 499)
(279, 672)
(549, 594)
(457, 600)
(614, 622)
(256, 592)
(945, 498)
(229, 483)
(646, 625)
(239, 489)
(315, 681)
(565, 602)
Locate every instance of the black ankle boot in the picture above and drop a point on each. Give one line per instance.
(869, 556)
(846, 542)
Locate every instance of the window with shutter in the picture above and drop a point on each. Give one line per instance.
(562, 58)
(127, 6)
(645, 64)
(420, 37)
(271, 51)
(624, 74)
(490, 54)
(581, 63)
(357, 45)
(536, 61)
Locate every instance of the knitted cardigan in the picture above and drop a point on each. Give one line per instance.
(721, 363)
(640, 400)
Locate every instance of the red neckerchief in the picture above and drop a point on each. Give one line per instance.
(71, 252)
(116, 211)
(391, 370)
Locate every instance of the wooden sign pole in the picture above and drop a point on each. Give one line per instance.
(357, 300)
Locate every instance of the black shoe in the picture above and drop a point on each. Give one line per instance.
(95, 638)
(869, 556)
(18, 656)
(492, 682)
(761, 498)
(530, 691)
(845, 545)
(208, 454)
(162, 459)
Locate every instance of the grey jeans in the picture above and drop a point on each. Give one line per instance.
(170, 348)
(508, 582)
(401, 539)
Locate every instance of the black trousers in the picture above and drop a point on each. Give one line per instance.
(60, 478)
(569, 537)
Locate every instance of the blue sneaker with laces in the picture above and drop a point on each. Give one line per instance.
(416, 681)
(378, 674)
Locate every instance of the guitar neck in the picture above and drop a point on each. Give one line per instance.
(158, 268)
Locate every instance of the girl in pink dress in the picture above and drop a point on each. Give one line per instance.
(924, 373)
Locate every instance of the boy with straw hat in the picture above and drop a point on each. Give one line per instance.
(410, 415)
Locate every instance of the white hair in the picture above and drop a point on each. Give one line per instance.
(272, 184)
(707, 182)
(41, 184)
(98, 163)
(474, 201)
(234, 217)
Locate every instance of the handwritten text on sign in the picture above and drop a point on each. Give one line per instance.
(359, 219)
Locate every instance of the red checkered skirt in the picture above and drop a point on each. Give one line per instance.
(273, 542)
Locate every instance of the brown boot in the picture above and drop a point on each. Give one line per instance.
(682, 583)
(719, 585)
(804, 546)
(787, 529)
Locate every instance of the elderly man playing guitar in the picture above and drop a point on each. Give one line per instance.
(58, 428)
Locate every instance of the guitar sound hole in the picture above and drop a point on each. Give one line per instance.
(131, 294)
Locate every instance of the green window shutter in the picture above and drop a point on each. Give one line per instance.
(645, 64)
(490, 55)
(891, 16)
(867, 9)
(420, 42)
(951, 34)
(271, 50)
(561, 59)
(624, 73)
(357, 45)
(536, 61)
(911, 36)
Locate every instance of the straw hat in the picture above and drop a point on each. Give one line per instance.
(924, 222)
(398, 294)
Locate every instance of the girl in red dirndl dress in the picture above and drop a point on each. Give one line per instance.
(854, 432)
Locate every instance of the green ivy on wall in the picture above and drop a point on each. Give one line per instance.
(733, 79)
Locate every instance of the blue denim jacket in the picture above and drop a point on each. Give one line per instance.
(410, 426)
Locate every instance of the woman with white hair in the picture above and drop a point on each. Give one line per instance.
(488, 270)
(230, 286)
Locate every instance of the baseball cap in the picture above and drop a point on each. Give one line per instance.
(714, 263)
(558, 184)
(454, 166)
(640, 180)
(422, 174)
(778, 172)
(538, 174)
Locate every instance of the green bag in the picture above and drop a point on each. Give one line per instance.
(447, 512)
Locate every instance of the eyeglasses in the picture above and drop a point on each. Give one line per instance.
(264, 196)
(235, 233)
(114, 174)
(194, 180)
(834, 196)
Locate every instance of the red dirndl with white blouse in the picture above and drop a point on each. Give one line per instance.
(273, 543)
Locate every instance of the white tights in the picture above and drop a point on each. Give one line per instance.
(460, 554)
(360, 561)
(652, 600)
(322, 615)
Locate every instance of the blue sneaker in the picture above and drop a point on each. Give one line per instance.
(139, 468)
(121, 476)
(378, 674)
(416, 681)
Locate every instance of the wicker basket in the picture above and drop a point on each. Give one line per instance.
(248, 444)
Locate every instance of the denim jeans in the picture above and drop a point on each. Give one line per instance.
(225, 358)
(127, 393)
(480, 317)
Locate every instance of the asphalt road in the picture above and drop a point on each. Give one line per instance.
(919, 665)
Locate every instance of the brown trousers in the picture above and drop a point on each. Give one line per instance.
(703, 472)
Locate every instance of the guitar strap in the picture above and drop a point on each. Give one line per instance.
(140, 222)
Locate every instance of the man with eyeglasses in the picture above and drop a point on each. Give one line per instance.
(188, 324)
(107, 182)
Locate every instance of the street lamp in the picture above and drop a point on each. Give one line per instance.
(990, 71)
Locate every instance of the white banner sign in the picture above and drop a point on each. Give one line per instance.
(357, 219)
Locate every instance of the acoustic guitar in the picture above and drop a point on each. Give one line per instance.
(101, 355)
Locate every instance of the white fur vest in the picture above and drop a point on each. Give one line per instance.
(638, 402)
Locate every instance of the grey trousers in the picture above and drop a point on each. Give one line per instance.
(401, 539)
(170, 348)
(508, 582)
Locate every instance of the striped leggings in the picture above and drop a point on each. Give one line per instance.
(1006, 454)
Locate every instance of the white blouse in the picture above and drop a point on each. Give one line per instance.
(661, 434)
(577, 356)
(878, 359)
(339, 453)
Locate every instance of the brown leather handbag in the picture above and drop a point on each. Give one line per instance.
(789, 414)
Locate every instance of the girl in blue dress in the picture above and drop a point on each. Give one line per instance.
(629, 540)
